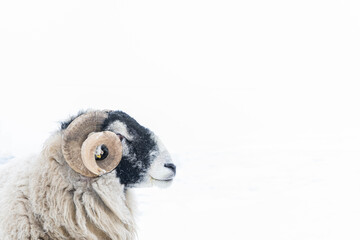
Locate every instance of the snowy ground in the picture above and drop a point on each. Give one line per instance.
(274, 191)
(258, 102)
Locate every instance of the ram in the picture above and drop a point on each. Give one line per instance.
(79, 186)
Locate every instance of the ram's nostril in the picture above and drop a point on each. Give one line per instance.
(171, 166)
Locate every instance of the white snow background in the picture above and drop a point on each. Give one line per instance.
(258, 102)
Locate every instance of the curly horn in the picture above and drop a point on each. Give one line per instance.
(83, 137)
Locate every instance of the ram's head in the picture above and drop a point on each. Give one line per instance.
(98, 142)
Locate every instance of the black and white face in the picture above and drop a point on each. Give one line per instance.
(145, 160)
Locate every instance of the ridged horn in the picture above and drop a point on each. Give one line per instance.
(83, 137)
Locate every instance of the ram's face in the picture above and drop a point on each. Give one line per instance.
(145, 160)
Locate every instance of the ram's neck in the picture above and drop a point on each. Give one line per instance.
(68, 206)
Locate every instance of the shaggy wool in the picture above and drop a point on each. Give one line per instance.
(43, 198)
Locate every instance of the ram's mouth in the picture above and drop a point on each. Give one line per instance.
(161, 180)
(163, 183)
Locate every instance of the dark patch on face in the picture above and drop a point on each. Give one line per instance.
(133, 166)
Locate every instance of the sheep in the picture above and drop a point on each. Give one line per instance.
(79, 186)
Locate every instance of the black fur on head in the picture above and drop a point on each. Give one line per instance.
(137, 157)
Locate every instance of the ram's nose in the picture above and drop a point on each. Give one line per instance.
(171, 166)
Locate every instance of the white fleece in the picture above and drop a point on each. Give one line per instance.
(43, 198)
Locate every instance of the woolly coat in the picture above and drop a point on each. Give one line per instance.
(43, 198)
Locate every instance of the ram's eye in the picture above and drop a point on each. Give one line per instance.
(121, 137)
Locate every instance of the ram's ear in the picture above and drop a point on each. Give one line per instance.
(83, 140)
